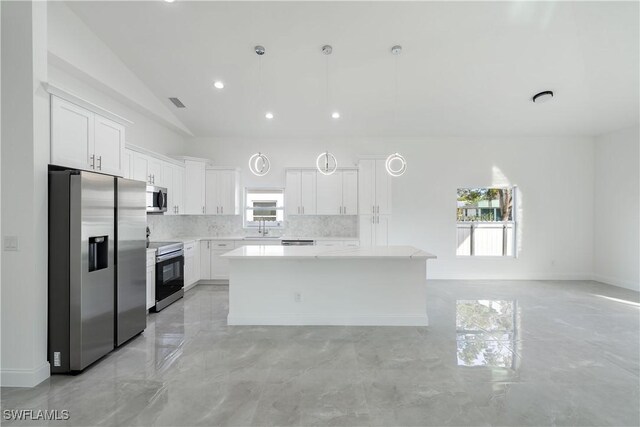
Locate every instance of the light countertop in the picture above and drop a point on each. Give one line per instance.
(187, 239)
(319, 252)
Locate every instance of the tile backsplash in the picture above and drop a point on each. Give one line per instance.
(168, 226)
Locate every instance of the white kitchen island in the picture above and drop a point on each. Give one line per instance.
(312, 285)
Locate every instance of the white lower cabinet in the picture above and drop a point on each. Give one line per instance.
(151, 279)
(213, 266)
(205, 259)
(220, 265)
(191, 264)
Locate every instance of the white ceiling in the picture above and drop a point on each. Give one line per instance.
(466, 68)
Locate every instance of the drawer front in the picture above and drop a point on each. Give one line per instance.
(352, 243)
(223, 244)
(189, 250)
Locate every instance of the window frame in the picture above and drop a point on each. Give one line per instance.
(514, 223)
(256, 224)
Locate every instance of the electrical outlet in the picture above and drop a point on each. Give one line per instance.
(56, 358)
(10, 243)
(297, 297)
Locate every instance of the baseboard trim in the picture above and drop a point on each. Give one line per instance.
(616, 281)
(301, 320)
(24, 377)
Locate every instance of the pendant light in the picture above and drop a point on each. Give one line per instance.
(326, 162)
(259, 164)
(396, 165)
(260, 51)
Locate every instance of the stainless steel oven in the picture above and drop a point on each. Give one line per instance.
(169, 273)
(156, 199)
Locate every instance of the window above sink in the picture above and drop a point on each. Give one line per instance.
(263, 206)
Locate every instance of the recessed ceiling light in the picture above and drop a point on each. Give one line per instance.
(218, 84)
(269, 115)
(169, 1)
(335, 115)
(541, 97)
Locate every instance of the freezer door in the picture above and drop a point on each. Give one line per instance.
(92, 278)
(131, 259)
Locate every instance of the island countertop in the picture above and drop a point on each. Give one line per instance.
(320, 252)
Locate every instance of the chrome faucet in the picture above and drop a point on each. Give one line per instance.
(262, 227)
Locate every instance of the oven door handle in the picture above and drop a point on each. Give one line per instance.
(172, 255)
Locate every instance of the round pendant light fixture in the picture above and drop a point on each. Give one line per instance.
(326, 163)
(396, 165)
(218, 84)
(259, 164)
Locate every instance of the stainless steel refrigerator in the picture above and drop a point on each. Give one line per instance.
(97, 271)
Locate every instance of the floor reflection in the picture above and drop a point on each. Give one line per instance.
(487, 333)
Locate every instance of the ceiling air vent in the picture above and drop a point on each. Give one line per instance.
(177, 102)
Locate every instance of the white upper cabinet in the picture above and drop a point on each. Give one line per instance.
(141, 167)
(329, 194)
(167, 182)
(71, 135)
(194, 187)
(374, 188)
(109, 145)
(85, 140)
(292, 200)
(221, 195)
(300, 192)
(173, 181)
(337, 194)
(127, 163)
(178, 189)
(308, 193)
(349, 192)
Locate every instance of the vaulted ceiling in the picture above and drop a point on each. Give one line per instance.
(466, 68)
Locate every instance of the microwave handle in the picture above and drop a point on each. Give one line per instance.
(161, 200)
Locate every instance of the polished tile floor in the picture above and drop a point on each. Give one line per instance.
(496, 353)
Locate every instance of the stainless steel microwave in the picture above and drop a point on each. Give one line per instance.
(156, 199)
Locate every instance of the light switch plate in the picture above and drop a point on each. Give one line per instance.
(10, 243)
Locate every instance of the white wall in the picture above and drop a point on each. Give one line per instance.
(617, 208)
(555, 177)
(75, 48)
(82, 64)
(25, 154)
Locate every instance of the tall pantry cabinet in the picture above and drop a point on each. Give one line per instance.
(374, 191)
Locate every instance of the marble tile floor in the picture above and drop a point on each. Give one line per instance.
(506, 353)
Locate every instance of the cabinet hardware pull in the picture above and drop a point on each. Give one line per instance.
(100, 164)
(93, 158)
(217, 210)
(373, 209)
